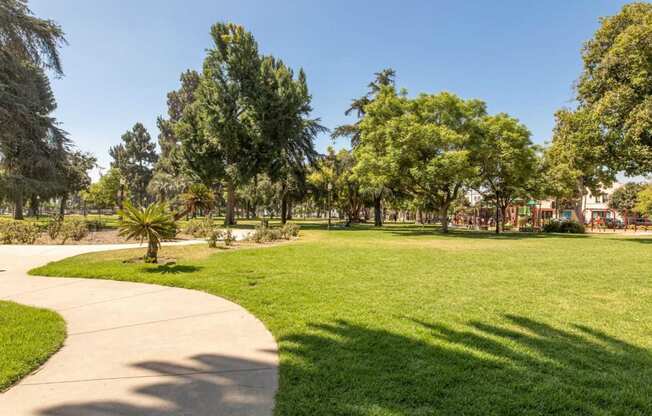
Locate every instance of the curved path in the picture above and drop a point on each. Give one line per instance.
(138, 349)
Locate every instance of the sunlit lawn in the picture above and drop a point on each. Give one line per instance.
(28, 336)
(406, 321)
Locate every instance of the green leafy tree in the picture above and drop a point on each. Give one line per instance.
(616, 84)
(383, 79)
(225, 104)
(610, 129)
(337, 169)
(153, 224)
(625, 198)
(507, 162)
(105, 192)
(135, 158)
(423, 146)
(74, 175)
(644, 201)
(282, 111)
(171, 176)
(577, 160)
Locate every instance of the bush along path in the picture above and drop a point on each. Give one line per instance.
(138, 349)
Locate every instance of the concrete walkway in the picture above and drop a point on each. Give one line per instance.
(138, 349)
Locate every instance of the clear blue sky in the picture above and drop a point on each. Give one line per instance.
(521, 57)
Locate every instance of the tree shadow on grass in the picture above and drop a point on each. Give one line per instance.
(211, 385)
(525, 367)
(171, 269)
(640, 240)
(416, 231)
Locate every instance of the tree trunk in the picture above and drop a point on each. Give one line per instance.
(289, 210)
(284, 209)
(497, 219)
(443, 217)
(62, 206)
(579, 212)
(152, 252)
(378, 211)
(33, 206)
(229, 219)
(121, 197)
(18, 211)
(503, 215)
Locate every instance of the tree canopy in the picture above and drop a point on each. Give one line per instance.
(610, 131)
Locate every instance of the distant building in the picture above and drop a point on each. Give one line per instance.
(595, 208)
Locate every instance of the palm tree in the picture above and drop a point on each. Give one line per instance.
(386, 77)
(153, 223)
(197, 197)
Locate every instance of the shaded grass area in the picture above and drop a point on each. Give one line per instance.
(407, 321)
(28, 337)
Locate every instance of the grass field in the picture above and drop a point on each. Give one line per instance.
(407, 321)
(28, 337)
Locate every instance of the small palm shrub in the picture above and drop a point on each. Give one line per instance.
(197, 197)
(153, 224)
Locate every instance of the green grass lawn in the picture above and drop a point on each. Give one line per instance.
(406, 321)
(28, 337)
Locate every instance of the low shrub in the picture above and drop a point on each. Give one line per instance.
(216, 234)
(266, 234)
(213, 237)
(290, 230)
(552, 227)
(260, 234)
(95, 225)
(19, 232)
(54, 227)
(73, 228)
(228, 237)
(571, 227)
(199, 227)
(274, 234)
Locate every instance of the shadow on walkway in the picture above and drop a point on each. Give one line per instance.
(212, 385)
